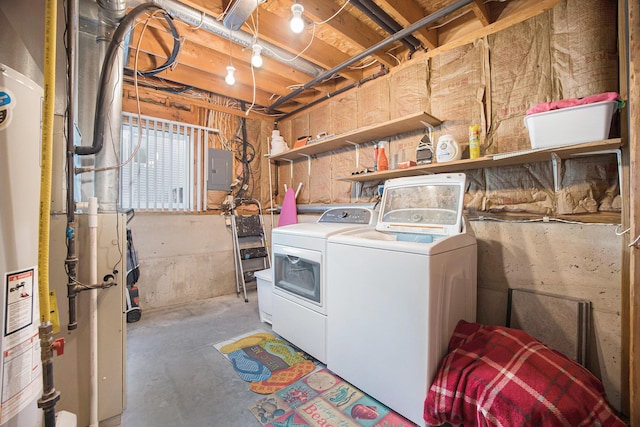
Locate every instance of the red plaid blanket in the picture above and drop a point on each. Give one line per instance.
(497, 376)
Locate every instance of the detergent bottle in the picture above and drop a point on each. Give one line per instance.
(447, 149)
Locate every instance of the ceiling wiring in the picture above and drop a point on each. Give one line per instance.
(171, 61)
(253, 73)
(332, 16)
(460, 15)
(448, 21)
(224, 12)
(543, 219)
(253, 100)
(197, 27)
(395, 57)
(313, 34)
(362, 67)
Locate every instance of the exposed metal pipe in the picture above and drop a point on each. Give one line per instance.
(207, 23)
(380, 17)
(108, 76)
(380, 45)
(320, 208)
(109, 103)
(113, 30)
(71, 262)
(113, 10)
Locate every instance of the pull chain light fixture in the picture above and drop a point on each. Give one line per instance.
(256, 57)
(296, 23)
(230, 79)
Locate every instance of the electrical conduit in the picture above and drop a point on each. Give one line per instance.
(49, 394)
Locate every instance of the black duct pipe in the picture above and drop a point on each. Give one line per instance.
(380, 17)
(382, 44)
(103, 101)
(174, 52)
(383, 71)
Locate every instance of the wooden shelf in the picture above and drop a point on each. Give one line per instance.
(360, 136)
(489, 161)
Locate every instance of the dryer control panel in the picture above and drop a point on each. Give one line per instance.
(349, 216)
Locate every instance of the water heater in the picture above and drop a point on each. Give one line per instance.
(20, 135)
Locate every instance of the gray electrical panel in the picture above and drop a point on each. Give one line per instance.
(220, 165)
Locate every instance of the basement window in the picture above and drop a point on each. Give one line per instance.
(166, 172)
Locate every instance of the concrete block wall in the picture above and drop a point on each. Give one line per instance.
(183, 258)
(572, 260)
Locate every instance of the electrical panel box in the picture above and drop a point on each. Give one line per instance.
(220, 169)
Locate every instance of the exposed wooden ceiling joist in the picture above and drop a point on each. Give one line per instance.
(204, 56)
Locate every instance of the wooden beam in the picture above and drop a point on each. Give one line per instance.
(406, 12)
(633, 301)
(210, 7)
(160, 43)
(516, 11)
(480, 10)
(625, 297)
(345, 24)
(150, 106)
(129, 95)
(203, 80)
(275, 30)
(208, 41)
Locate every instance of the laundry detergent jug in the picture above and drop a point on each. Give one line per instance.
(447, 149)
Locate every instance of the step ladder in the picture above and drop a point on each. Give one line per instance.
(251, 252)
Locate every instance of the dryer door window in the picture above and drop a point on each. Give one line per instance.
(297, 271)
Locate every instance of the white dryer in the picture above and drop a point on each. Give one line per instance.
(397, 291)
(299, 304)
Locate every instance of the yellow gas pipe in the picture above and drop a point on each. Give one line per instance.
(49, 394)
(47, 158)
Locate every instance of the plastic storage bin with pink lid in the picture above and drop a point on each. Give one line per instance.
(576, 124)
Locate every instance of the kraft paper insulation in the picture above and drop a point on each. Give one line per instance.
(569, 51)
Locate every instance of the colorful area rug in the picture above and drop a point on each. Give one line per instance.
(265, 361)
(323, 399)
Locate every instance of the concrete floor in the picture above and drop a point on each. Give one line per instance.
(175, 377)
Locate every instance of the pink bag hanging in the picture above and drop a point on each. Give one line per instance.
(289, 211)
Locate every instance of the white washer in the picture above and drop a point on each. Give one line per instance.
(299, 304)
(396, 292)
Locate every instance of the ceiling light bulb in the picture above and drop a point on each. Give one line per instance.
(230, 79)
(296, 23)
(256, 58)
